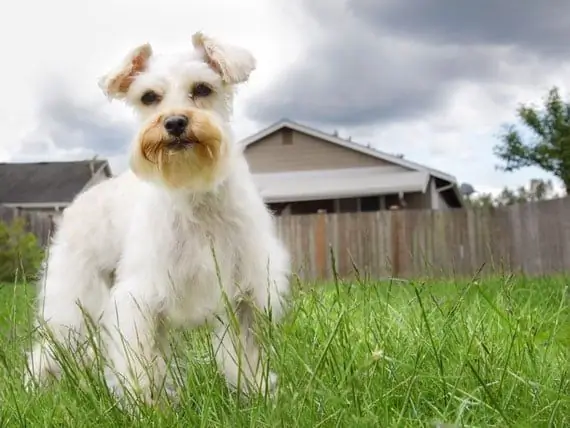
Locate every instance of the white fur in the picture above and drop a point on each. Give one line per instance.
(158, 243)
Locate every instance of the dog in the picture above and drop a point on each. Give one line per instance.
(182, 238)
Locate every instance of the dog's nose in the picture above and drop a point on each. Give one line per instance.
(176, 125)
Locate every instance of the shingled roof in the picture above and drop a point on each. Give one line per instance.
(46, 182)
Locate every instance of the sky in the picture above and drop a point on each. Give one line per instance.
(434, 80)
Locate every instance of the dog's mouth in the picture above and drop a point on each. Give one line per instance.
(178, 144)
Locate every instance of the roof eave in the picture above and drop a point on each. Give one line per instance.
(339, 195)
(105, 167)
(35, 205)
(459, 196)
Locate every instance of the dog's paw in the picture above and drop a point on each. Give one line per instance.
(267, 385)
(30, 382)
(271, 382)
(39, 371)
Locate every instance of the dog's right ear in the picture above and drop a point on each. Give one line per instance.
(116, 83)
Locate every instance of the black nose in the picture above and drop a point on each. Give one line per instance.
(176, 125)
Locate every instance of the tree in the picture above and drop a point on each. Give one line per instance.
(20, 252)
(481, 200)
(548, 146)
(539, 190)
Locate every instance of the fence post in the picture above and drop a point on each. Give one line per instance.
(321, 245)
(395, 226)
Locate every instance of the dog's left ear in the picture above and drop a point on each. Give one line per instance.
(233, 63)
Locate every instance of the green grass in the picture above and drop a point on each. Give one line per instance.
(481, 353)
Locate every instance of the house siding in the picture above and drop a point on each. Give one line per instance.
(288, 150)
(413, 200)
(418, 200)
(442, 203)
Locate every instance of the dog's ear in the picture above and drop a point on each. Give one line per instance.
(116, 83)
(233, 63)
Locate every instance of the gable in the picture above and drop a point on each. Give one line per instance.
(290, 150)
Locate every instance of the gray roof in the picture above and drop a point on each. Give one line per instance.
(46, 182)
(339, 183)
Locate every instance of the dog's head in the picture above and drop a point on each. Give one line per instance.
(185, 103)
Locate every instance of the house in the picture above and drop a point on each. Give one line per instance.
(48, 186)
(300, 170)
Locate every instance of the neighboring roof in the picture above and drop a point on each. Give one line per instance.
(347, 144)
(46, 182)
(338, 183)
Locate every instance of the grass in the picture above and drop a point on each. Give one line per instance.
(482, 353)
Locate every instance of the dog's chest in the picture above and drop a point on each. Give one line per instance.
(204, 259)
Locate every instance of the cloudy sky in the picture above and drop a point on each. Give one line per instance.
(434, 80)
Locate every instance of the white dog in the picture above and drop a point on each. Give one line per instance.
(166, 242)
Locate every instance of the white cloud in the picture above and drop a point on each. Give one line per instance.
(459, 139)
(79, 40)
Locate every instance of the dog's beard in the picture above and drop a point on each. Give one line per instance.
(195, 160)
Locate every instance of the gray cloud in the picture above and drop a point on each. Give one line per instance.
(540, 27)
(381, 61)
(69, 124)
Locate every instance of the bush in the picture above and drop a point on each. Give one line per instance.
(20, 253)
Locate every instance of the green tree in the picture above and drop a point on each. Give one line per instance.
(547, 147)
(539, 190)
(20, 252)
(480, 200)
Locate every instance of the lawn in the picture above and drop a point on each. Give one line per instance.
(473, 353)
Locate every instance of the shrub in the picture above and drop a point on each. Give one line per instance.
(20, 253)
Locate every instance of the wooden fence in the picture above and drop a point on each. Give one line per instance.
(39, 224)
(532, 238)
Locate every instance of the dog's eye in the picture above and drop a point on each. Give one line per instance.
(201, 90)
(150, 97)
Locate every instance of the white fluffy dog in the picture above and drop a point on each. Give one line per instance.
(166, 242)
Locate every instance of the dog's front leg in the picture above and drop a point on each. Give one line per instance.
(265, 274)
(131, 324)
(237, 352)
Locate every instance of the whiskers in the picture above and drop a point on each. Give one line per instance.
(160, 151)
